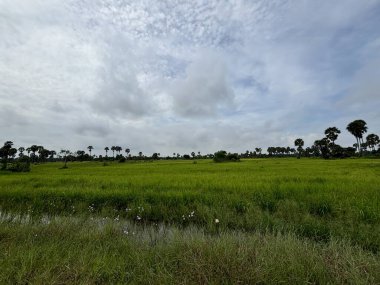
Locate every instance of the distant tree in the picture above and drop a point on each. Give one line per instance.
(322, 148)
(193, 154)
(44, 154)
(106, 149)
(357, 128)
(372, 140)
(332, 134)
(90, 148)
(299, 144)
(140, 154)
(258, 150)
(21, 150)
(5, 152)
(80, 154)
(65, 153)
(34, 149)
(28, 149)
(127, 150)
(113, 148)
(52, 153)
(155, 155)
(222, 155)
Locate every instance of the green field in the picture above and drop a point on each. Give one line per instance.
(257, 221)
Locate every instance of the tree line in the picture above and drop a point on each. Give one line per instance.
(326, 147)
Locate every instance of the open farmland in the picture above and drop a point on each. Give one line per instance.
(305, 220)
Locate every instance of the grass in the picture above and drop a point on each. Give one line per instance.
(280, 209)
(105, 251)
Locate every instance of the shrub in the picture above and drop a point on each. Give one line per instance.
(21, 165)
(222, 155)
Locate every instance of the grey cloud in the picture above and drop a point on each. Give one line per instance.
(141, 73)
(119, 92)
(366, 83)
(92, 130)
(205, 90)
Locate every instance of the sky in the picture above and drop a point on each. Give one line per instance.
(182, 76)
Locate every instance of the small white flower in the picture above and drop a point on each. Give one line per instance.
(216, 221)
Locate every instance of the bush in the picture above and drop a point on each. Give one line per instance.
(122, 159)
(22, 165)
(222, 155)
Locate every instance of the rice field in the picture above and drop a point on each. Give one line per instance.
(259, 221)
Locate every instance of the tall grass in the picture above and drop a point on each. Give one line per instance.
(313, 199)
(115, 251)
(279, 221)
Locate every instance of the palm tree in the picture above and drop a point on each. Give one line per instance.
(113, 148)
(106, 149)
(34, 149)
(28, 149)
(372, 140)
(21, 150)
(332, 134)
(357, 128)
(299, 144)
(90, 148)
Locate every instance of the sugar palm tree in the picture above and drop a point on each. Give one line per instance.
(299, 144)
(90, 148)
(21, 150)
(113, 148)
(357, 128)
(34, 149)
(127, 150)
(106, 149)
(118, 149)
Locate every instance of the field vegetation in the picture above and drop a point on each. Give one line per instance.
(254, 221)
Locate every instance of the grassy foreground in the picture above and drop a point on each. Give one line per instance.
(280, 220)
(104, 251)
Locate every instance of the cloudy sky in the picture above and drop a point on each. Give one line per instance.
(181, 76)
